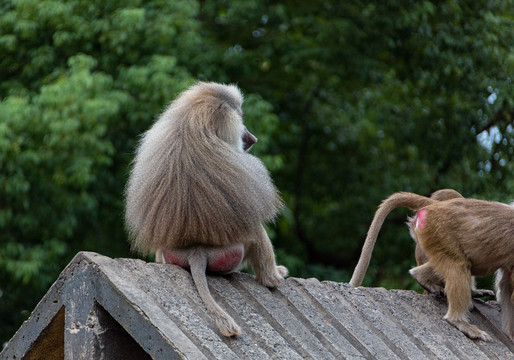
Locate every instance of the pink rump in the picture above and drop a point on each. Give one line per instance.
(170, 258)
(420, 219)
(221, 261)
(225, 262)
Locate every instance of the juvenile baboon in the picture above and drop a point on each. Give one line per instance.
(437, 281)
(462, 237)
(197, 199)
(439, 195)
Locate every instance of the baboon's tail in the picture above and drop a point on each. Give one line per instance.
(400, 199)
(198, 264)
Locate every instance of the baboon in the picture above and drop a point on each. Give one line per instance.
(462, 238)
(197, 199)
(422, 258)
(440, 195)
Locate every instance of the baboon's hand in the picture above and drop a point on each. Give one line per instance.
(275, 278)
(282, 270)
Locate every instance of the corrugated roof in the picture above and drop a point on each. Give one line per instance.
(154, 309)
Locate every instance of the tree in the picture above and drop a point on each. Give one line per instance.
(373, 98)
(80, 81)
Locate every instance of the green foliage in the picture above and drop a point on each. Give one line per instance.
(80, 81)
(351, 101)
(53, 147)
(373, 98)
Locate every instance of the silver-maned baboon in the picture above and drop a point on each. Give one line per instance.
(197, 199)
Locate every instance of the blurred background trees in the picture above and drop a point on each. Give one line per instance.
(350, 101)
